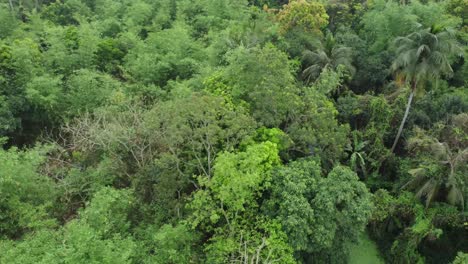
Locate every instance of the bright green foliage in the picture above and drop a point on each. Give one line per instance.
(96, 237)
(174, 245)
(44, 94)
(274, 135)
(44, 91)
(99, 236)
(459, 8)
(83, 245)
(87, 90)
(138, 13)
(228, 204)
(309, 16)
(461, 258)
(216, 86)
(26, 195)
(239, 179)
(275, 99)
(31, 249)
(108, 212)
(365, 251)
(209, 16)
(241, 176)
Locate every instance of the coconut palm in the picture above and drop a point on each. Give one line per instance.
(441, 170)
(421, 56)
(328, 54)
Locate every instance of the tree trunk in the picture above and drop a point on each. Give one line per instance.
(408, 106)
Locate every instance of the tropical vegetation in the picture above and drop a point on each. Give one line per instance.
(233, 131)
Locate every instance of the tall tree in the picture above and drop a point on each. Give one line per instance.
(421, 56)
(227, 206)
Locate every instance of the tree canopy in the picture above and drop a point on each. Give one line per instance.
(233, 131)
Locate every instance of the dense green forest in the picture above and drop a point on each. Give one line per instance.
(233, 131)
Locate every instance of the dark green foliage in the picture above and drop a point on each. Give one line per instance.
(440, 173)
(313, 127)
(109, 55)
(65, 12)
(290, 201)
(404, 229)
(312, 209)
(328, 55)
(268, 88)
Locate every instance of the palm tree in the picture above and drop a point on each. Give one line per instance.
(421, 56)
(328, 54)
(441, 169)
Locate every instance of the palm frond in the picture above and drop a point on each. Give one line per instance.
(425, 54)
(426, 189)
(431, 193)
(455, 196)
(421, 49)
